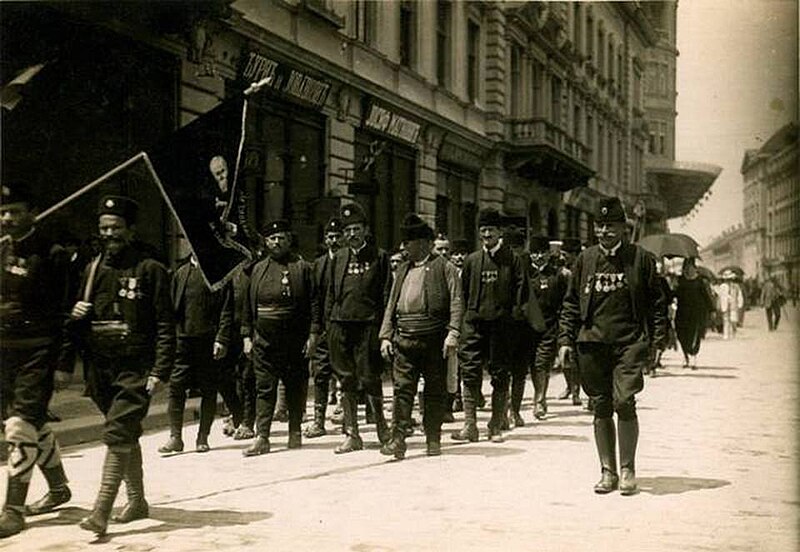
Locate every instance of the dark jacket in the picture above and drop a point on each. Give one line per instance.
(443, 306)
(301, 284)
(211, 313)
(376, 288)
(322, 271)
(510, 280)
(649, 304)
(541, 305)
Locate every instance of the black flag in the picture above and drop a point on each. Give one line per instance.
(196, 170)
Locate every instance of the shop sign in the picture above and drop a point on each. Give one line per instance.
(381, 119)
(286, 80)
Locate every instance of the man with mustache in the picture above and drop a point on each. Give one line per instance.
(614, 309)
(32, 284)
(125, 316)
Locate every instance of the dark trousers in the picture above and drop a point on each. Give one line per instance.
(195, 368)
(490, 344)
(246, 387)
(773, 316)
(611, 376)
(26, 382)
(322, 370)
(119, 389)
(544, 348)
(356, 357)
(228, 382)
(278, 355)
(415, 356)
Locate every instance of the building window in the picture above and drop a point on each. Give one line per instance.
(619, 68)
(516, 81)
(555, 101)
(601, 52)
(590, 137)
(610, 162)
(601, 158)
(365, 21)
(473, 58)
(589, 36)
(408, 33)
(577, 14)
(651, 143)
(538, 89)
(619, 163)
(443, 17)
(576, 122)
(610, 61)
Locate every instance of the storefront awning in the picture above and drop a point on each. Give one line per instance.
(681, 184)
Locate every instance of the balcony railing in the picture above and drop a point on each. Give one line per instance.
(539, 131)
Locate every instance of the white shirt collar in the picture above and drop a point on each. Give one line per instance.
(423, 261)
(357, 251)
(494, 249)
(610, 252)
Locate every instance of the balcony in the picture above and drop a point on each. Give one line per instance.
(542, 151)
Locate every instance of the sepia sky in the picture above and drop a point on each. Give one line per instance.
(737, 82)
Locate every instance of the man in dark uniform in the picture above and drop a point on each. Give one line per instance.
(357, 292)
(32, 284)
(613, 310)
(275, 329)
(547, 284)
(321, 361)
(420, 330)
(570, 248)
(203, 326)
(125, 317)
(514, 238)
(492, 281)
(240, 364)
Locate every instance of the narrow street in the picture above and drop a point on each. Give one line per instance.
(717, 467)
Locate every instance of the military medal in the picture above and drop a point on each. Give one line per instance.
(132, 283)
(131, 294)
(122, 293)
(285, 278)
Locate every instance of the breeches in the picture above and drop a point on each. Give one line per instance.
(612, 375)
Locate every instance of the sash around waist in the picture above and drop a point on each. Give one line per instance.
(275, 312)
(418, 324)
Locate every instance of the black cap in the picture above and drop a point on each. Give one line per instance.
(610, 209)
(490, 217)
(539, 244)
(14, 194)
(120, 206)
(334, 225)
(514, 238)
(459, 246)
(275, 226)
(414, 228)
(352, 213)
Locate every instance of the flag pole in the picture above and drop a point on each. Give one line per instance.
(72, 197)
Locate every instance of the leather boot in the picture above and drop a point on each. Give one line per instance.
(540, 395)
(382, 429)
(517, 392)
(628, 434)
(260, 446)
(576, 387)
(447, 415)
(568, 378)
(433, 444)
(137, 507)
(499, 394)
(114, 468)
(173, 444)
(396, 447)
(281, 410)
(12, 520)
(605, 440)
(470, 430)
(177, 404)
(352, 440)
(57, 494)
(317, 427)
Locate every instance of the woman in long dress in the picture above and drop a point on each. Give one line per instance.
(695, 304)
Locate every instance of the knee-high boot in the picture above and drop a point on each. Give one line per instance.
(317, 428)
(517, 393)
(470, 430)
(175, 408)
(605, 436)
(352, 440)
(49, 460)
(12, 519)
(137, 507)
(499, 398)
(382, 429)
(541, 379)
(22, 438)
(114, 468)
(628, 434)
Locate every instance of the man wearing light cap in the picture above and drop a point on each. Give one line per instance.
(125, 316)
(420, 329)
(275, 328)
(360, 280)
(492, 281)
(613, 311)
(32, 282)
(321, 360)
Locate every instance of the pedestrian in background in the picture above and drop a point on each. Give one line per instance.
(420, 330)
(613, 310)
(32, 301)
(731, 301)
(695, 304)
(772, 298)
(125, 315)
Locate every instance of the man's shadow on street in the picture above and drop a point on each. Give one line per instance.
(170, 519)
(668, 485)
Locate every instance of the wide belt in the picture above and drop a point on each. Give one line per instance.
(418, 324)
(110, 329)
(275, 312)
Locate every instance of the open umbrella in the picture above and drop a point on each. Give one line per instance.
(670, 245)
(705, 272)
